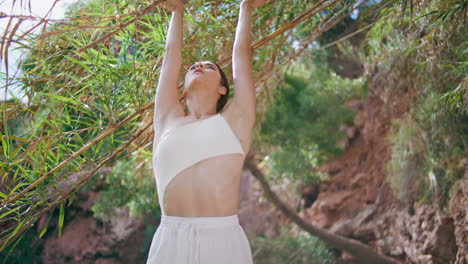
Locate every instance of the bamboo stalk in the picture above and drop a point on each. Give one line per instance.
(120, 27)
(74, 155)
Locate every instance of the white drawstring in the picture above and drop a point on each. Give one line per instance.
(197, 246)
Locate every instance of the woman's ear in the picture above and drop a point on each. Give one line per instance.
(222, 90)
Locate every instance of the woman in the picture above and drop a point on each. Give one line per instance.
(198, 157)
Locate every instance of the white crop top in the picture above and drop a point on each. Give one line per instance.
(188, 144)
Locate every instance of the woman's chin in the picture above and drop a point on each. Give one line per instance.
(196, 81)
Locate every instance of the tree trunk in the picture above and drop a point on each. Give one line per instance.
(362, 252)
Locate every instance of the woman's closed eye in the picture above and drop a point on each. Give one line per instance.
(208, 66)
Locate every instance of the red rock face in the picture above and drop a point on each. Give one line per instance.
(358, 202)
(86, 239)
(459, 211)
(357, 177)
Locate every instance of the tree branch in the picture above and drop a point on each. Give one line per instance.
(357, 249)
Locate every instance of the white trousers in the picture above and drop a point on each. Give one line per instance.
(200, 240)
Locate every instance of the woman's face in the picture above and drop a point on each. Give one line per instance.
(204, 74)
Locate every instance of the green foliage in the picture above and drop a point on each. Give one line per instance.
(407, 159)
(345, 88)
(427, 153)
(148, 236)
(292, 247)
(130, 183)
(302, 124)
(24, 250)
(450, 10)
(424, 58)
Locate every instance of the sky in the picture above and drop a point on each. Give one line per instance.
(39, 8)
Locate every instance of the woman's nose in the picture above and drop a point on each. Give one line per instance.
(198, 65)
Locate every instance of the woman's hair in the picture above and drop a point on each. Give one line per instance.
(224, 98)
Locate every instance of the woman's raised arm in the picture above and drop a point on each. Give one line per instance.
(166, 98)
(244, 94)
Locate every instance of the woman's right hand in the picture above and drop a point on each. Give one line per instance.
(254, 3)
(172, 5)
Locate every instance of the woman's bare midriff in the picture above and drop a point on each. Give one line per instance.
(209, 188)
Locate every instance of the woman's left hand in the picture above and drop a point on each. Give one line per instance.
(172, 5)
(254, 3)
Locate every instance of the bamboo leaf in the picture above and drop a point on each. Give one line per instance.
(5, 145)
(80, 63)
(71, 198)
(43, 231)
(17, 187)
(7, 213)
(63, 99)
(61, 218)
